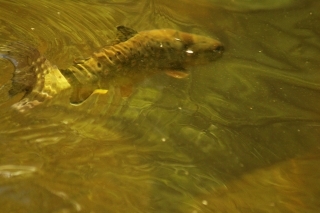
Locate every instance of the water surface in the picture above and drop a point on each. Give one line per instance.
(238, 135)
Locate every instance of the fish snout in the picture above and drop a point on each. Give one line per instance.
(213, 51)
(219, 48)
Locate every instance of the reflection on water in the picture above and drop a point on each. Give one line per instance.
(238, 135)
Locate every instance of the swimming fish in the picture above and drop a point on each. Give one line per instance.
(133, 54)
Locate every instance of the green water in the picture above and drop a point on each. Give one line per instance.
(238, 135)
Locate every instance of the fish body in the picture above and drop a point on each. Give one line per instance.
(166, 50)
(132, 54)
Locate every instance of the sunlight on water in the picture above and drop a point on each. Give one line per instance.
(240, 134)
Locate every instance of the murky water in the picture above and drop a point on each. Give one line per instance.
(238, 135)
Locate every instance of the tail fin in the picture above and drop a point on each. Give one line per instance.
(22, 57)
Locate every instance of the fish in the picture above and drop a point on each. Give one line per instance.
(132, 55)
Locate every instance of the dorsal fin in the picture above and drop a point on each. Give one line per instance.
(125, 33)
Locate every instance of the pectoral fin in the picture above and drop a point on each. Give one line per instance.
(176, 70)
(100, 91)
(80, 93)
(177, 74)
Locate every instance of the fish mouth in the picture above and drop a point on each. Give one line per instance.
(219, 49)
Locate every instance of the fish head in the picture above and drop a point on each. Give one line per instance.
(200, 49)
